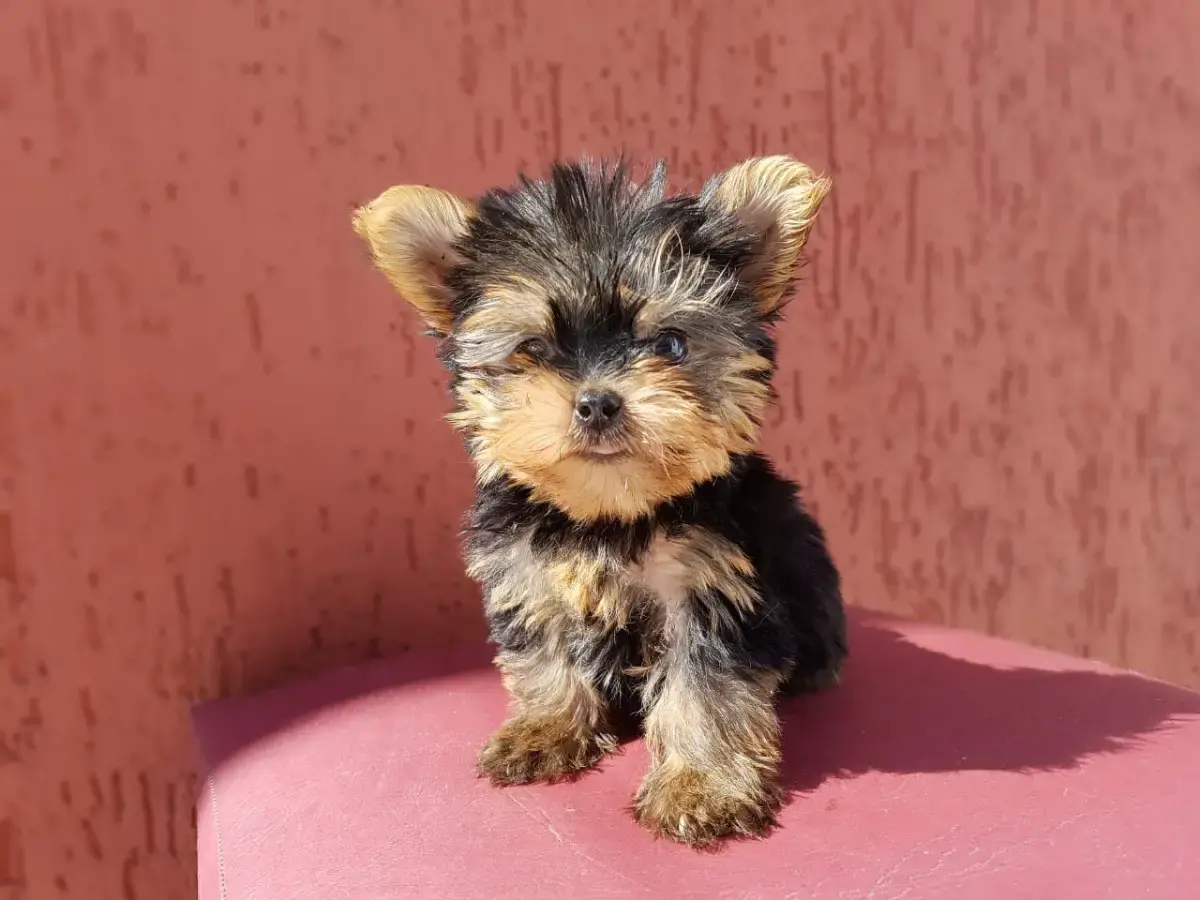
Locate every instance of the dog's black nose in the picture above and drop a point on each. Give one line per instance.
(597, 411)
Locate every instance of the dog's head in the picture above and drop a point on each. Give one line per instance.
(610, 343)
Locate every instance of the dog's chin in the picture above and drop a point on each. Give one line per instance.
(607, 482)
(603, 455)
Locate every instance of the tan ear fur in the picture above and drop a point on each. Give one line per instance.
(776, 198)
(412, 231)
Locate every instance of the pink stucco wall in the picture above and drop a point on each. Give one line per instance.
(221, 460)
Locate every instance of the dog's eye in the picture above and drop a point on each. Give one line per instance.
(534, 348)
(670, 345)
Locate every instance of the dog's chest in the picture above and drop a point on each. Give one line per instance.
(662, 574)
(666, 577)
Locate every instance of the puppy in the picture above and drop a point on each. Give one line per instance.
(610, 349)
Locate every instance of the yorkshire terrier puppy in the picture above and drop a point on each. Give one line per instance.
(611, 352)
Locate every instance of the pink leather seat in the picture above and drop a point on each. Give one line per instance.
(946, 765)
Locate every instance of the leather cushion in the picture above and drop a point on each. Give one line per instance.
(946, 765)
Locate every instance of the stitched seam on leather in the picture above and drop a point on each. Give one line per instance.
(212, 793)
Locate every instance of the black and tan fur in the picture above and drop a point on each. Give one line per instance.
(636, 553)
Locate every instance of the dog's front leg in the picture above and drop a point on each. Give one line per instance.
(558, 724)
(713, 735)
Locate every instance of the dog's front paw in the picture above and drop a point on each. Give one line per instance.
(526, 750)
(700, 808)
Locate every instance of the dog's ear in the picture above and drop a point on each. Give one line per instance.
(413, 233)
(774, 200)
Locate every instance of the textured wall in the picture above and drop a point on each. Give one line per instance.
(220, 454)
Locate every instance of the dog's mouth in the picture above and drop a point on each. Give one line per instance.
(602, 454)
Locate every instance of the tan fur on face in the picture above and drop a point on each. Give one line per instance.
(778, 198)
(676, 286)
(522, 425)
(519, 424)
(509, 307)
(411, 231)
(510, 312)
